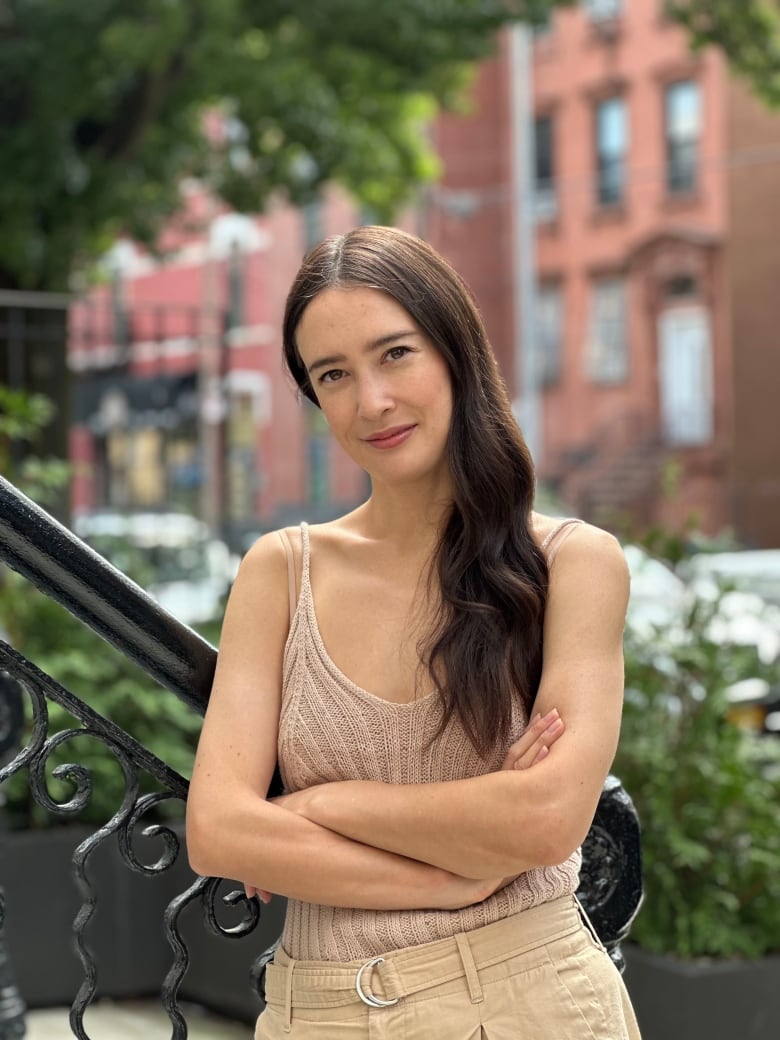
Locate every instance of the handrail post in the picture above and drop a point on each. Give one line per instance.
(12, 1006)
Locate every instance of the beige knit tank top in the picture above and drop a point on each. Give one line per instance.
(331, 729)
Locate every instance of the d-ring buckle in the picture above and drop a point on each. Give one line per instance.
(369, 998)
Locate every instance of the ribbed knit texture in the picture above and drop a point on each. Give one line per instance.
(331, 729)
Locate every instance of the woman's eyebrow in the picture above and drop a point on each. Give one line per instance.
(382, 341)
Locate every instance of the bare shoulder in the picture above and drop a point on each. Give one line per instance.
(261, 585)
(265, 558)
(580, 540)
(588, 561)
(595, 546)
(587, 595)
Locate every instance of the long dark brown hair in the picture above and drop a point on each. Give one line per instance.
(485, 644)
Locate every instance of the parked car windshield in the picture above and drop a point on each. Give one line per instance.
(749, 570)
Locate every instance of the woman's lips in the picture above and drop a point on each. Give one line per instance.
(390, 438)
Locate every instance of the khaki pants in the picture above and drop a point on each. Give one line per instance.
(539, 975)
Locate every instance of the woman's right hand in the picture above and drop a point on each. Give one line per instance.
(250, 892)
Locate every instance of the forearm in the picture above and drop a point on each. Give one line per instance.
(274, 849)
(486, 826)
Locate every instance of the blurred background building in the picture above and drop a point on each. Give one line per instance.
(654, 262)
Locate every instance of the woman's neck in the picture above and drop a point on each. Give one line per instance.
(405, 515)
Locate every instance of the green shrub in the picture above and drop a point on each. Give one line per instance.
(707, 796)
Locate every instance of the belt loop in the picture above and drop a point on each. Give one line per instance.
(589, 924)
(288, 986)
(470, 968)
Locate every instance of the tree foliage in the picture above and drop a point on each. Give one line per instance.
(102, 104)
(748, 32)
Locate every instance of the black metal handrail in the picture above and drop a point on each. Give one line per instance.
(51, 557)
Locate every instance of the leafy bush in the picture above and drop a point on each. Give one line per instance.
(111, 684)
(706, 793)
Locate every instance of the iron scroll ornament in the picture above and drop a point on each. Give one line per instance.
(610, 888)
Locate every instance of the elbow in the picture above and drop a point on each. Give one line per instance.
(557, 847)
(195, 850)
(549, 839)
(201, 842)
(547, 849)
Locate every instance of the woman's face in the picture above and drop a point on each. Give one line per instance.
(383, 387)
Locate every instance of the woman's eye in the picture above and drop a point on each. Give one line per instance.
(395, 353)
(331, 376)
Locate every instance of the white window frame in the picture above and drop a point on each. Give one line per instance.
(690, 139)
(607, 347)
(549, 333)
(603, 10)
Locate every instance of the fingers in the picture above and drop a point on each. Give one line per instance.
(544, 751)
(540, 748)
(262, 895)
(535, 743)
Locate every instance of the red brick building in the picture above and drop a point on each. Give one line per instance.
(657, 259)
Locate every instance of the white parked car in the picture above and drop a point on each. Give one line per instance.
(660, 599)
(749, 570)
(659, 606)
(172, 555)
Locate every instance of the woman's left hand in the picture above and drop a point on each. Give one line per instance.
(534, 745)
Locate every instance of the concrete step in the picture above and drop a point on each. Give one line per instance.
(132, 1020)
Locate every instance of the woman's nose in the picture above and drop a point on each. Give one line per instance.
(374, 397)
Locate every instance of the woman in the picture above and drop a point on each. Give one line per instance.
(443, 699)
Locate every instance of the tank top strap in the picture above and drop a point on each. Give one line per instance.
(306, 554)
(558, 536)
(292, 567)
(284, 538)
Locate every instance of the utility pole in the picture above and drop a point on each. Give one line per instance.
(211, 389)
(526, 402)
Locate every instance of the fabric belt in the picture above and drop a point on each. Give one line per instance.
(386, 979)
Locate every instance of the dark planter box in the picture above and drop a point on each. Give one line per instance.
(703, 1000)
(125, 933)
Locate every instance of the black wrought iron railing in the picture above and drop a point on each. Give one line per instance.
(59, 564)
(53, 559)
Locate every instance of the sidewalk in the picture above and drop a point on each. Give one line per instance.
(131, 1020)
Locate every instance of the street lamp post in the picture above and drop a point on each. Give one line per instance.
(526, 402)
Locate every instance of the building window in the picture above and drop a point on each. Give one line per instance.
(545, 195)
(549, 334)
(611, 149)
(607, 345)
(683, 129)
(602, 10)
